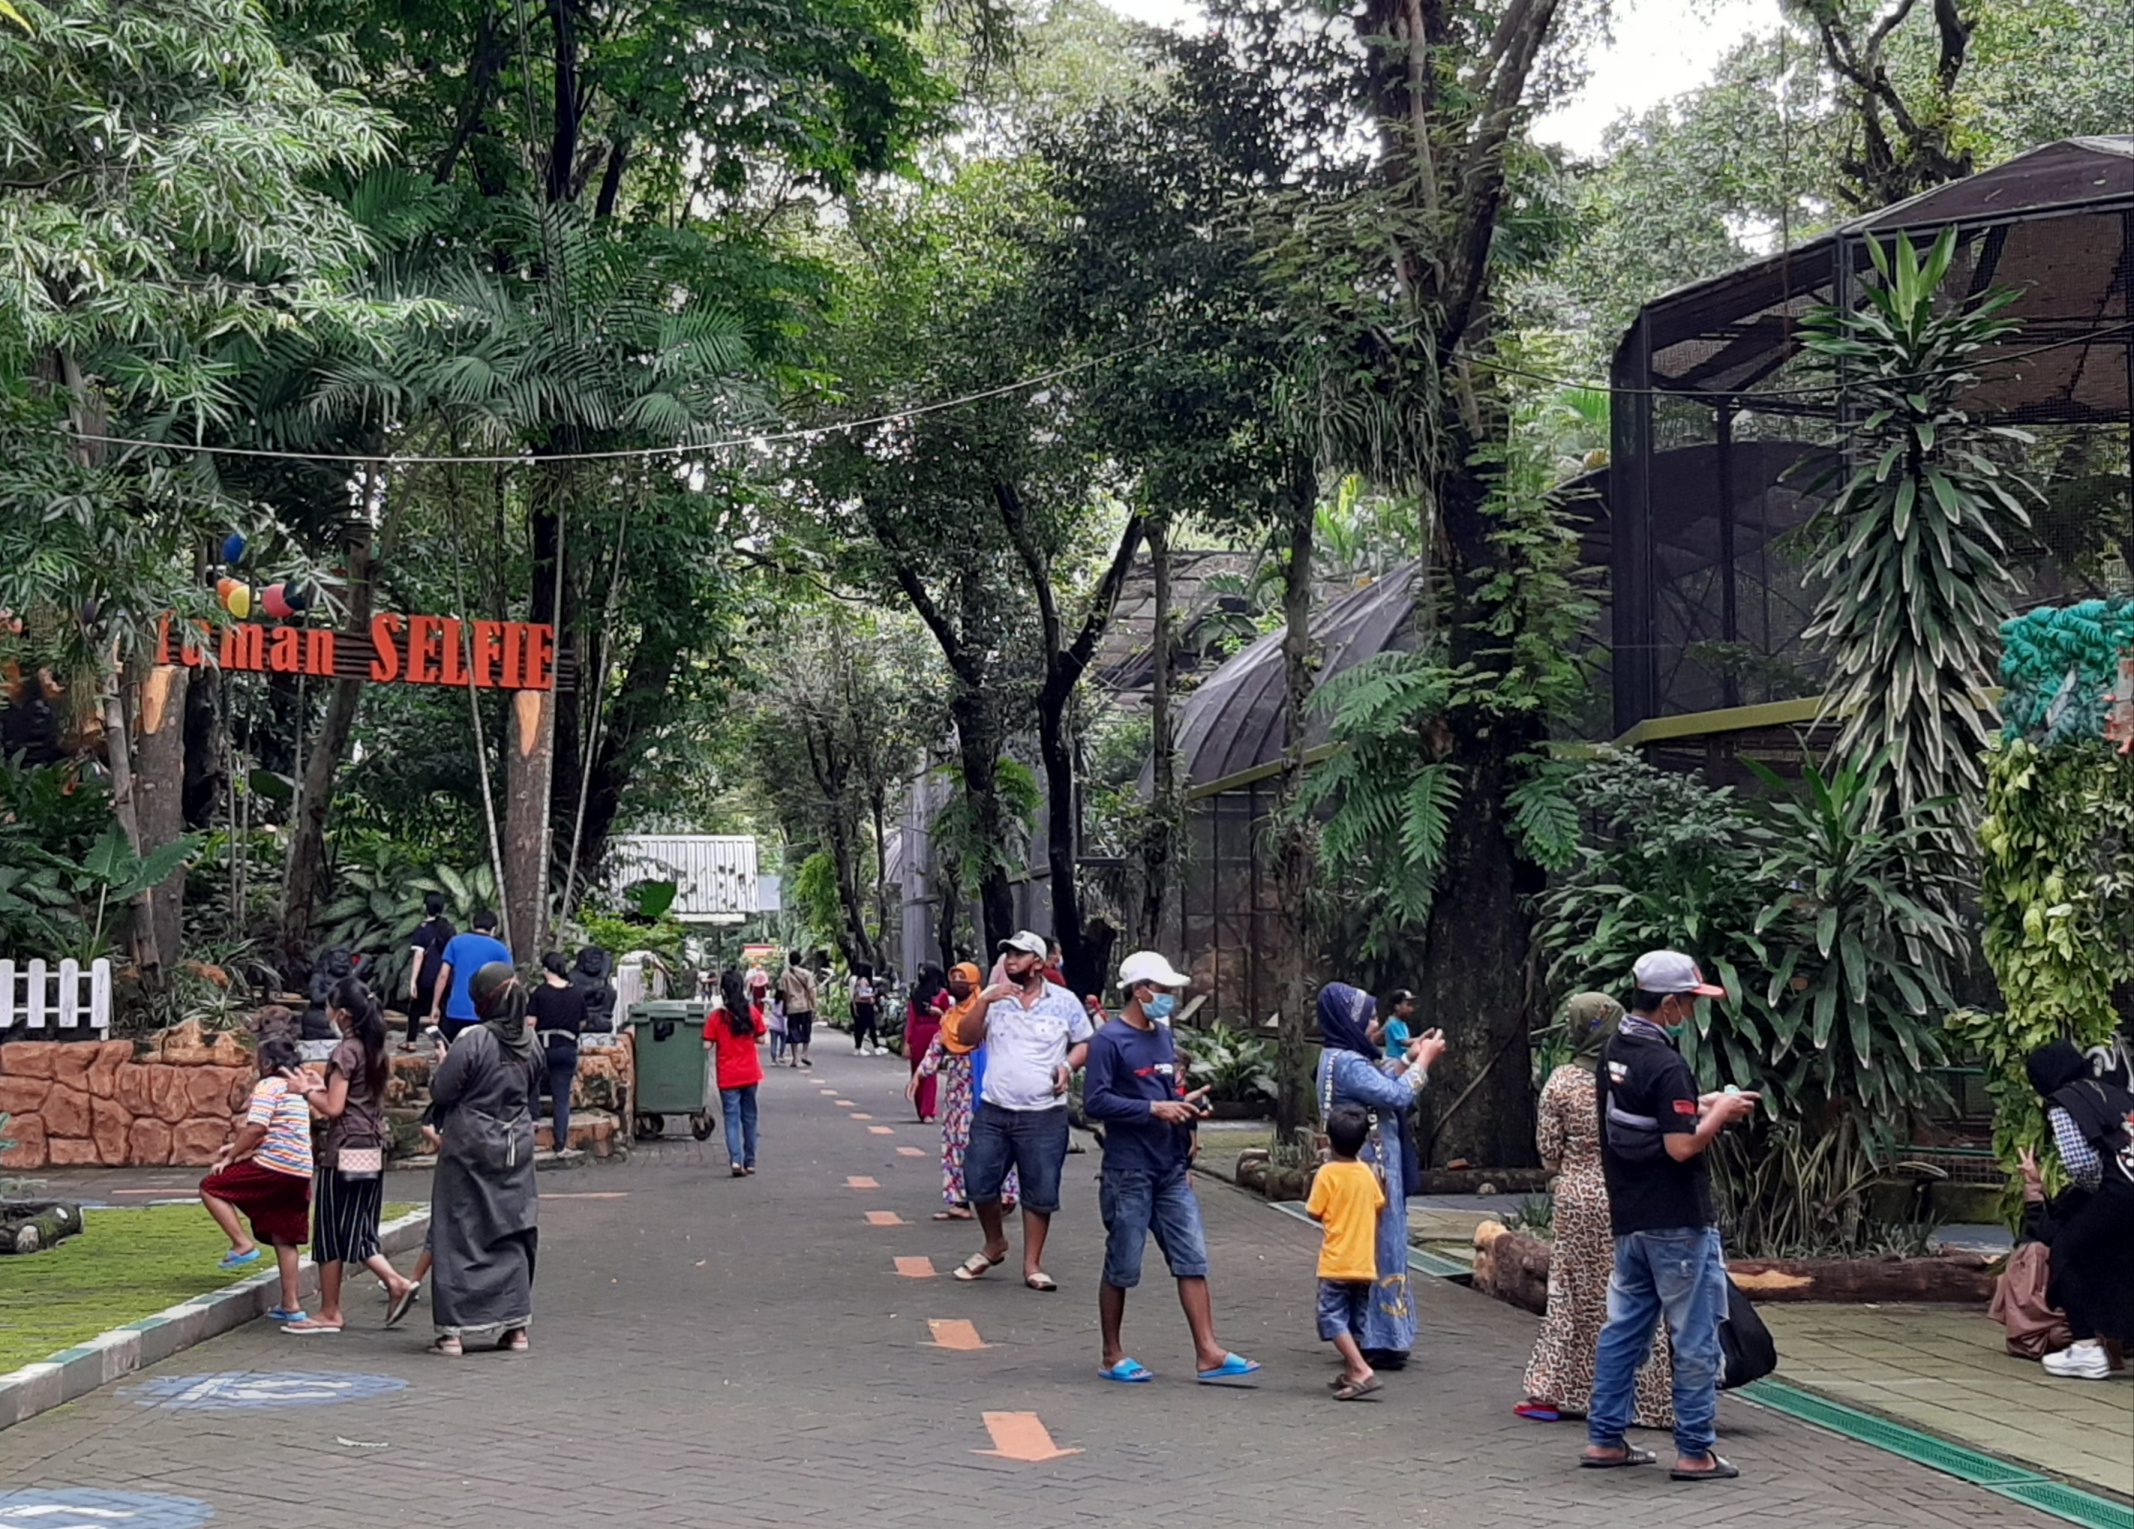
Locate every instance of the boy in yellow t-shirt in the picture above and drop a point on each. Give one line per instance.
(1345, 1201)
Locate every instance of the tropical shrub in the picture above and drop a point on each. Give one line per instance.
(1235, 1067)
(1796, 905)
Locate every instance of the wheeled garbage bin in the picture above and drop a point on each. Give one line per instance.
(669, 1037)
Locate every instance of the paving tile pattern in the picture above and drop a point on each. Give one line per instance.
(720, 1351)
(1946, 1370)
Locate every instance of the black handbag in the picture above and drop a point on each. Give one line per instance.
(1745, 1347)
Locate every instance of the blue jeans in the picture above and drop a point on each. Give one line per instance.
(1677, 1274)
(1134, 1204)
(738, 1105)
(1035, 1141)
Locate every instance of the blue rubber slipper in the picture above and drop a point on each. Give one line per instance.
(1131, 1372)
(277, 1314)
(1233, 1367)
(239, 1260)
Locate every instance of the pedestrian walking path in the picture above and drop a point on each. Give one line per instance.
(1947, 1370)
(788, 1349)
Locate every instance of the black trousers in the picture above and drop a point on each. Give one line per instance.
(863, 1018)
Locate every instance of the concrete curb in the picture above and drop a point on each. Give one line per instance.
(75, 1372)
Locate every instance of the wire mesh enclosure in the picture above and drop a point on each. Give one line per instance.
(1723, 426)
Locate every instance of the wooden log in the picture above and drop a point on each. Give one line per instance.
(1512, 1266)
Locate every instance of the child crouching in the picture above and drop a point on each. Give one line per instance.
(1345, 1200)
(265, 1173)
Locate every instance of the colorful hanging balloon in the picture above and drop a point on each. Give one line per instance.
(298, 595)
(275, 600)
(236, 597)
(233, 548)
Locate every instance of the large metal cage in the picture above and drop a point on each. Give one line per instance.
(1722, 427)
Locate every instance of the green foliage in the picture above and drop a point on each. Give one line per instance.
(816, 897)
(1913, 546)
(621, 933)
(2056, 888)
(1235, 1066)
(1834, 971)
(1788, 1189)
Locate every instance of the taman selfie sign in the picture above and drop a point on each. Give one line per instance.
(413, 650)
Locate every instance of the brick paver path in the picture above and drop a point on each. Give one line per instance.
(717, 1351)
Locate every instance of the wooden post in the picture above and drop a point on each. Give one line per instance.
(529, 755)
(159, 805)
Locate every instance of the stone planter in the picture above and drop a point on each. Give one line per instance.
(31, 1226)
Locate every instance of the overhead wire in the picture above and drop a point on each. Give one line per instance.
(618, 454)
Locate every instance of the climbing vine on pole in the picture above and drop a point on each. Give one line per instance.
(2057, 849)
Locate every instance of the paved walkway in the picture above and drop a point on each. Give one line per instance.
(712, 1351)
(1948, 1370)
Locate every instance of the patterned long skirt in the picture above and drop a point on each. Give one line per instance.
(955, 1074)
(1561, 1370)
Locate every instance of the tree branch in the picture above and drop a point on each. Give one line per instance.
(1038, 566)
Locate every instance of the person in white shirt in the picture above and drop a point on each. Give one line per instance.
(1036, 1034)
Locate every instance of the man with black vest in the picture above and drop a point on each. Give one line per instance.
(1655, 1127)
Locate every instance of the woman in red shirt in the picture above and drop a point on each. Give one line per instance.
(733, 1029)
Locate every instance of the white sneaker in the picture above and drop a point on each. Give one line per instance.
(2080, 1361)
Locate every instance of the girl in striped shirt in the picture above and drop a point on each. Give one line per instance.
(265, 1173)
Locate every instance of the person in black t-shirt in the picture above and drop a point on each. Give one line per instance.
(427, 949)
(1655, 1127)
(556, 1015)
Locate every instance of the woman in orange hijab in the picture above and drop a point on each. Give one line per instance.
(956, 1063)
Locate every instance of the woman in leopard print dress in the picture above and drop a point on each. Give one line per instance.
(1559, 1377)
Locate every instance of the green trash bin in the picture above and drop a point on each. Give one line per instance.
(669, 1037)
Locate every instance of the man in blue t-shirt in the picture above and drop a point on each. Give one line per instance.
(452, 1008)
(1131, 1083)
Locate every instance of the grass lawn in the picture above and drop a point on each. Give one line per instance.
(128, 1264)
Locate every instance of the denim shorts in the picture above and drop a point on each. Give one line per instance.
(1034, 1142)
(1134, 1204)
(1343, 1306)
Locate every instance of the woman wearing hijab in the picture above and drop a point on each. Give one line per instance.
(957, 1064)
(1559, 1376)
(922, 1022)
(1351, 1071)
(482, 1201)
(2092, 1126)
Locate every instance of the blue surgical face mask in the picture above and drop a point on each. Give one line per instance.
(1159, 1005)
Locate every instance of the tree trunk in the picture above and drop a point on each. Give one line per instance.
(1293, 868)
(883, 942)
(978, 745)
(1479, 981)
(207, 773)
(1056, 748)
(159, 798)
(304, 869)
(1163, 755)
(632, 718)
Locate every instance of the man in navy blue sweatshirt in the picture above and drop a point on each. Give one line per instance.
(1131, 1083)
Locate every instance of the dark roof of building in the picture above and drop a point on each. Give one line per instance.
(1233, 722)
(1728, 335)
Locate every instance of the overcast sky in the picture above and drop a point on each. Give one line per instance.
(1661, 49)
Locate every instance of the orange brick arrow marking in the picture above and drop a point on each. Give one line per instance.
(881, 1130)
(885, 1218)
(901, 1152)
(860, 1181)
(827, 1093)
(861, 1115)
(955, 1333)
(916, 1268)
(1020, 1436)
(846, 1104)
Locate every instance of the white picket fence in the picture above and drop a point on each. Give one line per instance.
(69, 999)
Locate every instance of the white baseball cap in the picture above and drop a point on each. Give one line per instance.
(1150, 966)
(1024, 941)
(1670, 971)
